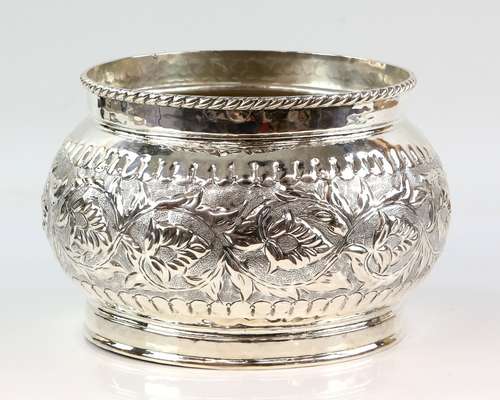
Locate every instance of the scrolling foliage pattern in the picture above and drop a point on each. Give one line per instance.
(298, 241)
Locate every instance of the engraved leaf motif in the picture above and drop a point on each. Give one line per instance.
(419, 196)
(393, 238)
(293, 194)
(139, 201)
(53, 190)
(332, 280)
(132, 250)
(405, 193)
(155, 271)
(218, 218)
(247, 235)
(190, 200)
(135, 280)
(242, 282)
(88, 227)
(333, 220)
(277, 291)
(213, 284)
(357, 256)
(287, 232)
(408, 235)
(58, 188)
(239, 279)
(444, 211)
(320, 214)
(290, 242)
(109, 271)
(170, 249)
(364, 198)
(334, 197)
(439, 213)
(115, 192)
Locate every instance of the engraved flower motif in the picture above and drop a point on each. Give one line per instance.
(393, 240)
(88, 233)
(287, 241)
(52, 192)
(443, 217)
(168, 250)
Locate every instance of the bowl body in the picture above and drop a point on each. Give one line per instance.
(224, 231)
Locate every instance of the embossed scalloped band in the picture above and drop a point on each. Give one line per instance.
(276, 251)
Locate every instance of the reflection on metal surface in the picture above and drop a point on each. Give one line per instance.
(180, 220)
(209, 349)
(122, 379)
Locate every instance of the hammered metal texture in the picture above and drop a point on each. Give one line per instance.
(245, 234)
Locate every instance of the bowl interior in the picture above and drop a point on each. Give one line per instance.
(246, 73)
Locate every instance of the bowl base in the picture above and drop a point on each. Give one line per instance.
(160, 342)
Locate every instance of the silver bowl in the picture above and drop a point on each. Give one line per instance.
(245, 208)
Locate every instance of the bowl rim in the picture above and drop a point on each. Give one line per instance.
(403, 81)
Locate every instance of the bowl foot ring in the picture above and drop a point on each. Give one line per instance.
(158, 342)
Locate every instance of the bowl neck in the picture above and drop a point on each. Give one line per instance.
(157, 120)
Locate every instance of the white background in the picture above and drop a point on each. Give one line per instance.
(452, 344)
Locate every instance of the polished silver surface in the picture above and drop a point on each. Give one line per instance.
(246, 80)
(245, 208)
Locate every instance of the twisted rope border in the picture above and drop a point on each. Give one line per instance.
(248, 103)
